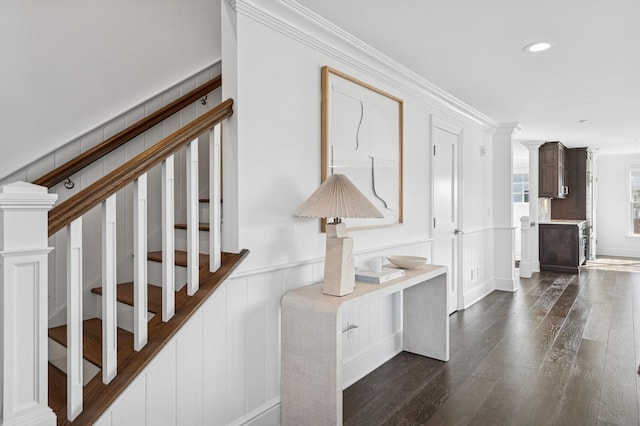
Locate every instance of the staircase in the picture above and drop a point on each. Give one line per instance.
(92, 361)
(99, 396)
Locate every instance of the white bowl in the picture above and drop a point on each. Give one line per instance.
(407, 262)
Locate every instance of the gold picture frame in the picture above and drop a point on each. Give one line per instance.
(362, 138)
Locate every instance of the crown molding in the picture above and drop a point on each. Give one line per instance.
(297, 22)
(507, 129)
(532, 145)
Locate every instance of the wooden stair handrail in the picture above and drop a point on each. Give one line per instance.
(77, 205)
(97, 152)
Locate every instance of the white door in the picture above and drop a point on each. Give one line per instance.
(445, 208)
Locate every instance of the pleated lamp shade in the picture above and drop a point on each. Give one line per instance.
(337, 197)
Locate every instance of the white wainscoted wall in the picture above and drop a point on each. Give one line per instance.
(613, 214)
(477, 264)
(91, 221)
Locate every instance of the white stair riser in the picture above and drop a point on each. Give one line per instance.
(181, 240)
(154, 275)
(58, 357)
(203, 212)
(124, 314)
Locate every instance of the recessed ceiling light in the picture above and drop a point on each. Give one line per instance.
(582, 121)
(539, 46)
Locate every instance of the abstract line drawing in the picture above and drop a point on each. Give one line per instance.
(373, 182)
(359, 125)
(362, 138)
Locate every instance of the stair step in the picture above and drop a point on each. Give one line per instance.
(125, 295)
(92, 340)
(154, 295)
(203, 226)
(181, 257)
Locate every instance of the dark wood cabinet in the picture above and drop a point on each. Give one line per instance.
(563, 246)
(577, 205)
(579, 202)
(552, 181)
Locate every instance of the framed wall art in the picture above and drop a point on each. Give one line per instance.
(362, 139)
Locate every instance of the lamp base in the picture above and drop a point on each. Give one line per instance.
(339, 272)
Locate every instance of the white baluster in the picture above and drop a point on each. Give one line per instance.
(109, 313)
(74, 319)
(193, 222)
(140, 327)
(168, 245)
(215, 162)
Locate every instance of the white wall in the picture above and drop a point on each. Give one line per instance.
(71, 65)
(612, 198)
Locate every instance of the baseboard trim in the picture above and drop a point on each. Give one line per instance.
(265, 415)
(367, 361)
(505, 284)
(619, 252)
(477, 293)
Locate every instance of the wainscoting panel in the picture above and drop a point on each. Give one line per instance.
(189, 377)
(161, 388)
(477, 265)
(214, 370)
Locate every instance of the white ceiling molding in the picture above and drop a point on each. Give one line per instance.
(297, 22)
(508, 129)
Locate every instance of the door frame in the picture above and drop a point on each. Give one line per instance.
(436, 122)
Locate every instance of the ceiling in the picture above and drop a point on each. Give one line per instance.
(474, 50)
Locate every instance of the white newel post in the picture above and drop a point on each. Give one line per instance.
(23, 316)
(525, 256)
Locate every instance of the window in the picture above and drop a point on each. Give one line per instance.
(521, 187)
(635, 201)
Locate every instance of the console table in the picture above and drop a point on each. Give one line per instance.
(311, 388)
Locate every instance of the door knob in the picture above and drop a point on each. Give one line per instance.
(457, 231)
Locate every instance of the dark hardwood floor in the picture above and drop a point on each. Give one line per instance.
(563, 350)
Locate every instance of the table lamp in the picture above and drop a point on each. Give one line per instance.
(338, 198)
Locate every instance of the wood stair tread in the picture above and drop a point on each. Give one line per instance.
(180, 257)
(57, 389)
(203, 226)
(92, 340)
(98, 396)
(154, 295)
(124, 294)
